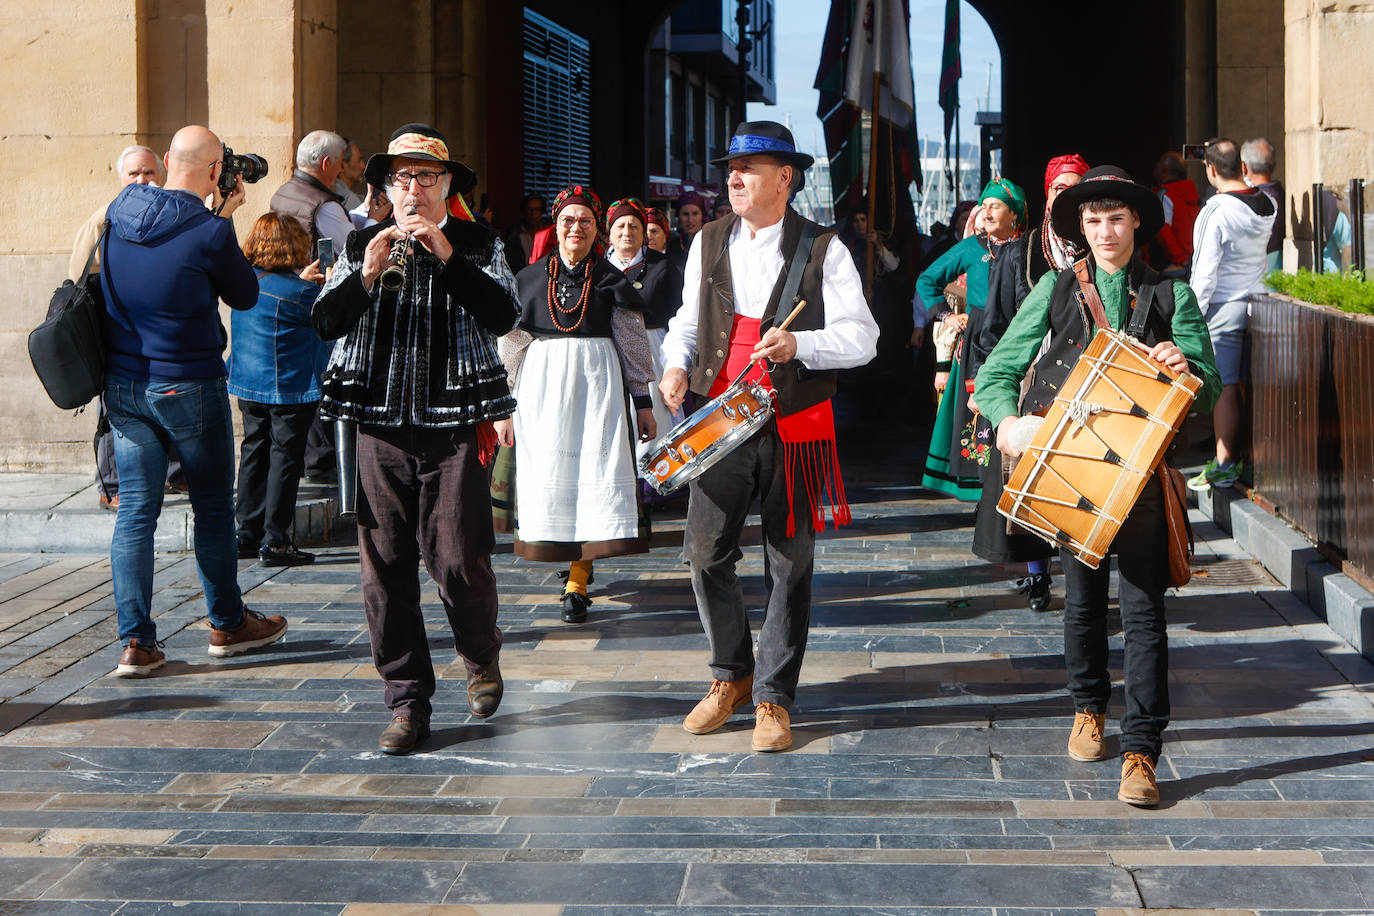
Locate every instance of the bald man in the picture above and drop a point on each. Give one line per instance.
(168, 260)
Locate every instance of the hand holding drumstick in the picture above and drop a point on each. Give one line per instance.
(778, 345)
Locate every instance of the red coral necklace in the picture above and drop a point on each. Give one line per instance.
(579, 309)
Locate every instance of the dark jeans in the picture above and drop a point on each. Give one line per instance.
(720, 504)
(148, 418)
(270, 461)
(1143, 563)
(424, 494)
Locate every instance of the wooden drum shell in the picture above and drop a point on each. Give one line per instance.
(1077, 482)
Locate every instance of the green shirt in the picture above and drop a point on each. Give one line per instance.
(967, 257)
(998, 387)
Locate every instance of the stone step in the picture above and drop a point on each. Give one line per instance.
(61, 513)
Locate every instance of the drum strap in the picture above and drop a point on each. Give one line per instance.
(1140, 315)
(1088, 293)
(794, 275)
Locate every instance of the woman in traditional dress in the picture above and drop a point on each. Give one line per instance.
(956, 456)
(658, 282)
(576, 358)
(1018, 266)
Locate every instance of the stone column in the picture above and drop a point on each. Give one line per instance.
(272, 65)
(1329, 109)
(75, 96)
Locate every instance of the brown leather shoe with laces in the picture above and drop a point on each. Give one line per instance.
(772, 728)
(139, 660)
(255, 632)
(485, 688)
(1138, 785)
(718, 705)
(1085, 741)
(403, 735)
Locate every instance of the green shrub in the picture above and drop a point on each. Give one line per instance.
(1349, 293)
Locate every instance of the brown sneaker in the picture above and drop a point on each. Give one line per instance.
(772, 728)
(1138, 786)
(255, 632)
(1085, 741)
(140, 661)
(718, 705)
(485, 688)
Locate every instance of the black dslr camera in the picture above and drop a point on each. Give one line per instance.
(250, 165)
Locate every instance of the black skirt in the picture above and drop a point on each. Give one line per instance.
(990, 538)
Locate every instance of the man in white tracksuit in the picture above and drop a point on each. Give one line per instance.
(1229, 241)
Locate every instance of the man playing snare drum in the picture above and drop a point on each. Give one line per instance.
(736, 273)
(1114, 217)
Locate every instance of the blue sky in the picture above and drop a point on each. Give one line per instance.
(799, 25)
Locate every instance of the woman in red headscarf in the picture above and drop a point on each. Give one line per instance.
(1024, 261)
(576, 359)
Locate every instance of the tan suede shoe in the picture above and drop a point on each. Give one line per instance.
(772, 728)
(1138, 786)
(1085, 741)
(718, 705)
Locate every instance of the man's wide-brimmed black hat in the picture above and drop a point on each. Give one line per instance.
(419, 141)
(755, 138)
(1113, 183)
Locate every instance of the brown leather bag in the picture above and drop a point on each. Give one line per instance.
(1178, 529)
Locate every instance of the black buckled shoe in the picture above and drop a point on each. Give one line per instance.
(284, 555)
(485, 689)
(403, 735)
(1036, 588)
(575, 606)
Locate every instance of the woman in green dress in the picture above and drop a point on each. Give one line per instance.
(952, 462)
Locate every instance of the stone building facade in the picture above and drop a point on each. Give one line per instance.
(86, 79)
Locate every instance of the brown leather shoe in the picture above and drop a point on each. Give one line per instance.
(1085, 741)
(255, 632)
(718, 705)
(485, 689)
(772, 728)
(403, 735)
(139, 660)
(109, 503)
(1138, 785)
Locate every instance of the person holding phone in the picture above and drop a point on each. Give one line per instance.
(274, 371)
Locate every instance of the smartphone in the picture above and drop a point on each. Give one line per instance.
(1194, 150)
(324, 250)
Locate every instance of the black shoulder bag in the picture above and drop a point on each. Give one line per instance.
(68, 349)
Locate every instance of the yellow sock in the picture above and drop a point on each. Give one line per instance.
(579, 571)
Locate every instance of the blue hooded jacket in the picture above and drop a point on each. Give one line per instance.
(166, 262)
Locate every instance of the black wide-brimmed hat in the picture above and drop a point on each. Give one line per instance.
(1114, 183)
(419, 141)
(755, 138)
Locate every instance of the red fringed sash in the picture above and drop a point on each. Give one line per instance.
(808, 437)
(486, 442)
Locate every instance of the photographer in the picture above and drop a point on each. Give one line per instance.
(167, 260)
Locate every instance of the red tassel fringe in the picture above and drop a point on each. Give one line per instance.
(486, 442)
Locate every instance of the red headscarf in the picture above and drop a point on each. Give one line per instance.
(1071, 162)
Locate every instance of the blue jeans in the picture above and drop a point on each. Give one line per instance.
(147, 417)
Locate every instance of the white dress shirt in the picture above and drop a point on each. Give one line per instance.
(850, 335)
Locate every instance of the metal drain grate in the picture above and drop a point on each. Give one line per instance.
(1220, 571)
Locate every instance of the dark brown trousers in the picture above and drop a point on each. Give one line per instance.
(424, 494)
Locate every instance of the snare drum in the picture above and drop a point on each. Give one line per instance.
(1113, 418)
(705, 437)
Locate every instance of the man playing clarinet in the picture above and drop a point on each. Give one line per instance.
(745, 274)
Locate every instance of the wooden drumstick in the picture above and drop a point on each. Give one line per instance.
(795, 312)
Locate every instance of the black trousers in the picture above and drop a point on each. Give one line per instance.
(424, 495)
(270, 462)
(1142, 560)
(319, 449)
(721, 500)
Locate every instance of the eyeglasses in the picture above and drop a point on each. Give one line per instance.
(425, 179)
(569, 222)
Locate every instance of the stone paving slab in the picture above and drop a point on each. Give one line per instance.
(928, 778)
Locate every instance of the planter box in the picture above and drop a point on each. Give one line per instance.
(1312, 416)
